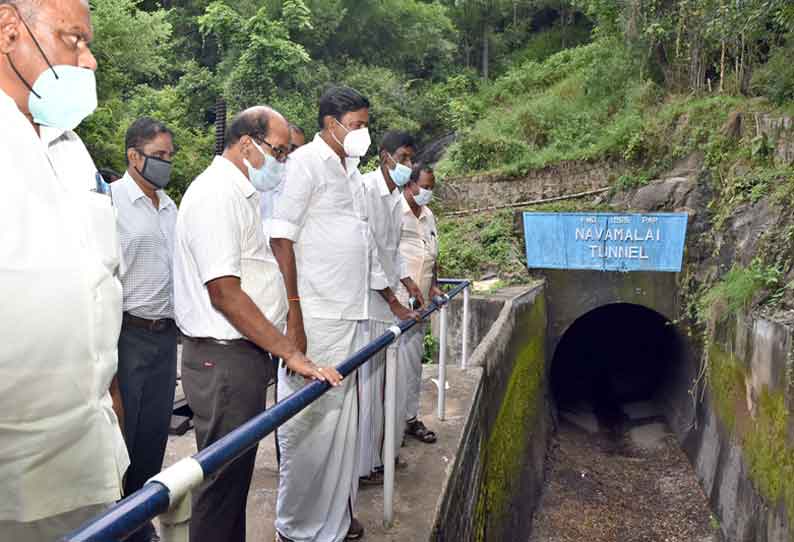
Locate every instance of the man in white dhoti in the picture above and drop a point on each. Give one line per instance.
(419, 251)
(321, 239)
(384, 201)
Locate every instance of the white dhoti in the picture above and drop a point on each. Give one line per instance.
(410, 354)
(371, 390)
(317, 474)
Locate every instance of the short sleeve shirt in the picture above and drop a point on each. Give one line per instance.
(219, 234)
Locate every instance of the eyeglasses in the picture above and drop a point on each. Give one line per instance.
(279, 153)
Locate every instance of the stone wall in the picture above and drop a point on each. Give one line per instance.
(496, 481)
(491, 190)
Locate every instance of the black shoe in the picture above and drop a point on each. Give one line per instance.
(355, 531)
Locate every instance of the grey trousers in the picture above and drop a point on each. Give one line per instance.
(225, 386)
(147, 378)
(51, 528)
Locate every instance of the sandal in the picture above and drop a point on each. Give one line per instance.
(374, 479)
(355, 531)
(420, 432)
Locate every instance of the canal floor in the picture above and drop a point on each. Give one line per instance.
(628, 482)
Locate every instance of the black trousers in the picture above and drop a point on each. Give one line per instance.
(147, 378)
(225, 386)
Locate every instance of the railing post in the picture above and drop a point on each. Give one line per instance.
(442, 363)
(389, 445)
(175, 524)
(464, 359)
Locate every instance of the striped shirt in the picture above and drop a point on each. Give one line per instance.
(146, 236)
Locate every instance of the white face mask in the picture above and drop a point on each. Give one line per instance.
(423, 197)
(356, 142)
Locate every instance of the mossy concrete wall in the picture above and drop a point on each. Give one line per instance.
(742, 446)
(495, 483)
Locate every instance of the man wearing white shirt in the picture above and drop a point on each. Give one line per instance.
(62, 455)
(146, 218)
(384, 201)
(230, 305)
(419, 251)
(322, 241)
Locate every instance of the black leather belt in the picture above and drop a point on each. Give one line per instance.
(143, 323)
(222, 342)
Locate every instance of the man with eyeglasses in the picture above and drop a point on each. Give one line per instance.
(230, 306)
(146, 218)
(62, 455)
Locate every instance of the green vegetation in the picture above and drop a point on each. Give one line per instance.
(480, 244)
(735, 291)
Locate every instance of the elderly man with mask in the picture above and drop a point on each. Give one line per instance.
(322, 241)
(230, 307)
(384, 202)
(62, 455)
(419, 251)
(146, 219)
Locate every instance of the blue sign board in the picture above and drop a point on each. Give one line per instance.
(605, 241)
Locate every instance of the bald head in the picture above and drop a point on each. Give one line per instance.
(255, 133)
(258, 122)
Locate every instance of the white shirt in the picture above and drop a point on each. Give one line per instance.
(60, 443)
(385, 212)
(219, 234)
(322, 209)
(267, 202)
(419, 246)
(146, 235)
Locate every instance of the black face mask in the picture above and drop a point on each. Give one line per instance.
(156, 171)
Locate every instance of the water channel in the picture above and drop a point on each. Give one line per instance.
(615, 472)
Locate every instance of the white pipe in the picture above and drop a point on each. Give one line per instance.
(389, 445)
(180, 478)
(464, 359)
(442, 364)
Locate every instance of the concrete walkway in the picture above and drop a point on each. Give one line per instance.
(418, 486)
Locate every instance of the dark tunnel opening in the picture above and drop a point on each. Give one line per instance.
(612, 356)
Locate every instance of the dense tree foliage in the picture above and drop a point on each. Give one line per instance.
(431, 66)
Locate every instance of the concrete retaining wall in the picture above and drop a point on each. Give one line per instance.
(743, 444)
(495, 483)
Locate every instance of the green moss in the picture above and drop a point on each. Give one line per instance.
(506, 450)
(726, 384)
(770, 459)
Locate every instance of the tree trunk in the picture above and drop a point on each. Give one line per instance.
(486, 35)
(722, 68)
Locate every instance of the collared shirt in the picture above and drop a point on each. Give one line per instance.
(219, 234)
(385, 212)
(146, 235)
(60, 443)
(323, 211)
(267, 202)
(419, 246)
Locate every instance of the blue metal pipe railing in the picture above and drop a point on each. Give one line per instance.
(132, 512)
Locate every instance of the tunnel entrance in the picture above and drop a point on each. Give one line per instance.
(615, 470)
(614, 355)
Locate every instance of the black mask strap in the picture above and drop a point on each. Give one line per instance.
(43, 55)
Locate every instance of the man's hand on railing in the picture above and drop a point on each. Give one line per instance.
(435, 292)
(402, 312)
(414, 292)
(305, 367)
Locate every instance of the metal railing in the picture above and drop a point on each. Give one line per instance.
(168, 494)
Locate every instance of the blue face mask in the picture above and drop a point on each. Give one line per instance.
(62, 96)
(401, 173)
(267, 177)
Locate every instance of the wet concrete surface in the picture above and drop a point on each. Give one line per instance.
(417, 487)
(628, 481)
